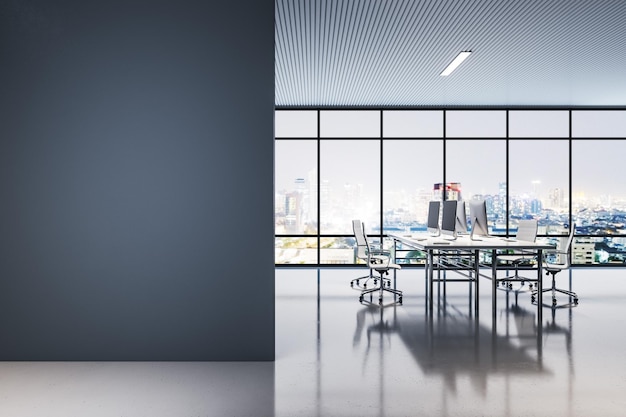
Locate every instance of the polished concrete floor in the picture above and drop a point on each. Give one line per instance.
(337, 357)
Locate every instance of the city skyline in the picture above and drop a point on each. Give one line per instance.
(299, 158)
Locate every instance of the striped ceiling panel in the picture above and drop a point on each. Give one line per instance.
(391, 52)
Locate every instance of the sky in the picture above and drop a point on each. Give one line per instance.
(535, 164)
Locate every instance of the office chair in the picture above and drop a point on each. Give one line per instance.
(561, 263)
(527, 231)
(364, 247)
(377, 260)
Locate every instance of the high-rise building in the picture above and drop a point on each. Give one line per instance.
(557, 198)
(452, 191)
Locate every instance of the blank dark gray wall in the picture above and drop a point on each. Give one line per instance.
(136, 180)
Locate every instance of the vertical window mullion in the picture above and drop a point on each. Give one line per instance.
(382, 214)
(506, 176)
(319, 189)
(443, 187)
(570, 204)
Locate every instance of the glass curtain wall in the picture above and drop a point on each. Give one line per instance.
(559, 166)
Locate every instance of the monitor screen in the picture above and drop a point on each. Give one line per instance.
(433, 217)
(478, 217)
(448, 220)
(461, 218)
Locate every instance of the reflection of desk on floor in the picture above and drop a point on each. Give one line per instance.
(452, 345)
(463, 255)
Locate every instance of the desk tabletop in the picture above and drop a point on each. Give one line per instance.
(424, 241)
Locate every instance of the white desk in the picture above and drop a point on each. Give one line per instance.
(439, 247)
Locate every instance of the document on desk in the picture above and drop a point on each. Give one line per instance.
(416, 238)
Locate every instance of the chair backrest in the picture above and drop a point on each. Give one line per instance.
(564, 253)
(570, 238)
(362, 247)
(527, 230)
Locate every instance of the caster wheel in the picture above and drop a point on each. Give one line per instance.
(530, 286)
(360, 299)
(575, 301)
(400, 300)
(380, 301)
(371, 297)
(357, 282)
(352, 285)
(364, 285)
(510, 286)
(388, 284)
(532, 299)
(554, 301)
(375, 281)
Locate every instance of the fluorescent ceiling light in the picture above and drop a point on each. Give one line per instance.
(455, 63)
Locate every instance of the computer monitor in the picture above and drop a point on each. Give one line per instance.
(461, 218)
(433, 218)
(478, 217)
(448, 220)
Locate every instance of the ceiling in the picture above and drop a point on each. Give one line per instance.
(379, 53)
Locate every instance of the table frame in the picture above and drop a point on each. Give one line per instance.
(472, 249)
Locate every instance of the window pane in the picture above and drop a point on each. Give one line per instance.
(599, 250)
(410, 170)
(479, 168)
(476, 124)
(599, 196)
(295, 175)
(350, 185)
(337, 250)
(295, 124)
(413, 124)
(295, 250)
(537, 188)
(350, 124)
(539, 124)
(599, 124)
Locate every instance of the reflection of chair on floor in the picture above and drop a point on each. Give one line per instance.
(525, 324)
(552, 327)
(527, 231)
(377, 260)
(361, 318)
(555, 262)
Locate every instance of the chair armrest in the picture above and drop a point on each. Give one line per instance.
(555, 252)
(379, 252)
(378, 261)
(518, 252)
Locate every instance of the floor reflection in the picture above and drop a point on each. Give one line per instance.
(451, 344)
(343, 358)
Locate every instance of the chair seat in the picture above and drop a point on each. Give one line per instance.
(515, 258)
(385, 268)
(553, 268)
